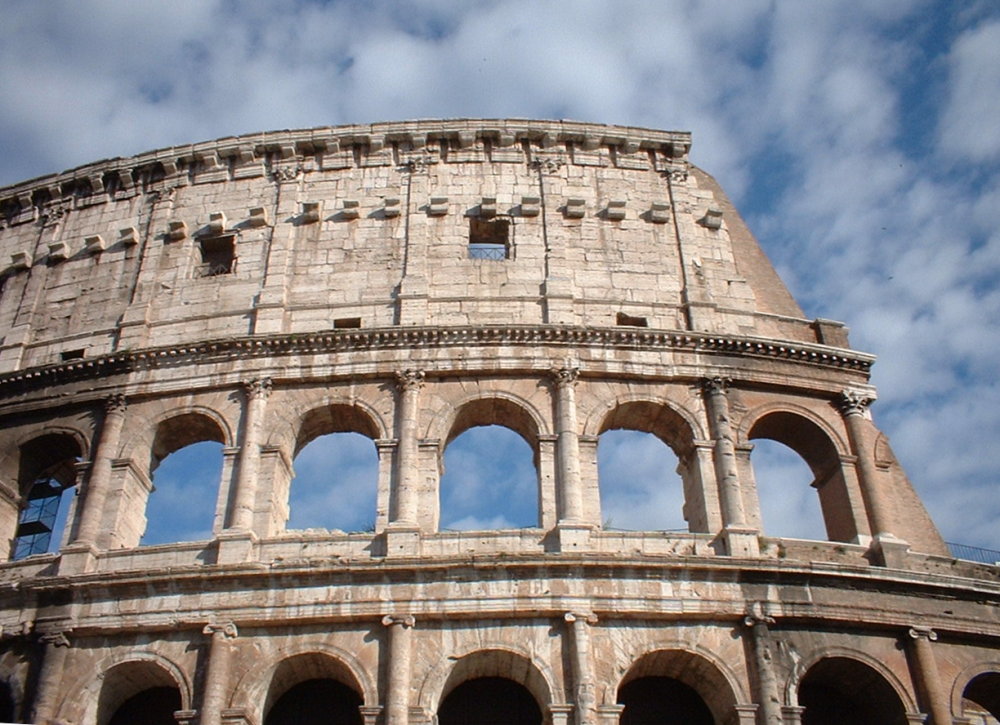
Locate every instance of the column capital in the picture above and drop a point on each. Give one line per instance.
(226, 630)
(853, 402)
(756, 615)
(115, 404)
(405, 620)
(410, 379)
(716, 386)
(587, 617)
(566, 376)
(927, 633)
(56, 639)
(257, 388)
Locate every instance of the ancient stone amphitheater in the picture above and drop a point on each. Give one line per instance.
(408, 282)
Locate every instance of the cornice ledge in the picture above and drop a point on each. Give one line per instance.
(334, 341)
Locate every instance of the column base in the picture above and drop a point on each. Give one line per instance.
(235, 547)
(77, 559)
(560, 714)
(609, 714)
(738, 541)
(888, 551)
(573, 537)
(747, 714)
(402, 540)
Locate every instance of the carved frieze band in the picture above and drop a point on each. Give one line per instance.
(394, 338)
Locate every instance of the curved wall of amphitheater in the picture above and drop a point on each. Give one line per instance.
(407, 282)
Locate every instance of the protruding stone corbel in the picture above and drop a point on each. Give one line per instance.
(351, 209)
(95, 244)
(615, 210)
(128, 236)
(531, 206)
(258, 217)
(177, 230)
(488, 207)
(216, 223)
(712, 218)
(659, 212)
(575, 208)
(311, 211)
(391, 207)
(58, 251)
(438, 206)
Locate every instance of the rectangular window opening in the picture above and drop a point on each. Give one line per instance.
(218, 255)
(630, 321)
(489, 239)
(71, 354)
(346, 323)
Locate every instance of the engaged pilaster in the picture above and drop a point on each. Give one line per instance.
(400, 634)
(740, 539)
(257, 393)
(217, 672)
(100, 472)
(886, 547)
(757, 624)
(929, 680)
(583, 677)
(574, 531)
(57, 646)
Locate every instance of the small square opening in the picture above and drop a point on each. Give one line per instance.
(489, 239)
(71, 354)
(218, 255)
(346, 323)
(630, 321)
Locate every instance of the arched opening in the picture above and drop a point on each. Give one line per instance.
(639, 484)
(676, 686)
(813, 445)
(138, 691)
(981, 698)
(490, 468)
(662, 701)
(646, 473)
(317, 702)
(155, 706)
(489, 701)
(788, 503)
(186, 468)
(836, 690)
(335, 483)
(47, 481)
(312, 689)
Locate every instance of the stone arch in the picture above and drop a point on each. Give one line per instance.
(803, 666)
(93, 699)
(823, 451)
(182, 428)
(46, 468)
(703, 672)
(676, 429)
(251, 691)
(487, 660)
(984, 677)
(488, 407)
(337, 417)
(658, 416)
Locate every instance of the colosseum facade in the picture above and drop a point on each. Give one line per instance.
(408, 282)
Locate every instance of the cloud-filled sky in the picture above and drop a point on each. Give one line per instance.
(860, 139)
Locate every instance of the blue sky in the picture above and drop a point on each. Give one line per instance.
(859, 139)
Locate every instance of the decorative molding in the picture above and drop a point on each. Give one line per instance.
(258, 388)
(225, 629)
(854, 402)
(410, 379)
(330, 341)
(404, 620)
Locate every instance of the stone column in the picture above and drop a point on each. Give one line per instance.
(217, 672)
(100, 472)
(568, 445)
(724, 451)
(397, 699)
(245, 497)
(757, 624)
(50, 684)
(929, 680)
(583, 678)
(741, 540)
(404, 509)
(852, 406)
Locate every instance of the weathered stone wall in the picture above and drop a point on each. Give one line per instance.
(626, 293)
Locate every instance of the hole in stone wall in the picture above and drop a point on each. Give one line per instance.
(630, 321)
(489, 481)
(71, 354)
(640, 488)
(218, 255)
(789, 506)
(335, 484)
(489, 239)
(346, 323)
(182, 504)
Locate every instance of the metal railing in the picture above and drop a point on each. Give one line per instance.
(974, 553)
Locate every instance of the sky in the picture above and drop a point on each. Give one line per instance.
(859, 138)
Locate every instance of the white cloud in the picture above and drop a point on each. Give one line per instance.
(969, 127)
